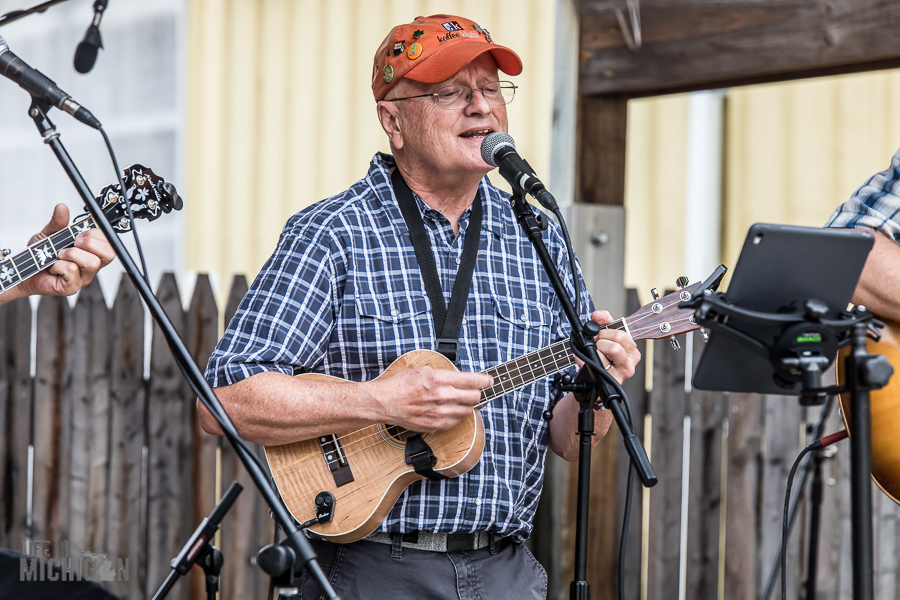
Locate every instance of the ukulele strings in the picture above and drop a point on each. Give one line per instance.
(520, 370)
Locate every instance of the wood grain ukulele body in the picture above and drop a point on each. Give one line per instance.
(376, 457)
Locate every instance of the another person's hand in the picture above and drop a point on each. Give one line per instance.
(75, 268)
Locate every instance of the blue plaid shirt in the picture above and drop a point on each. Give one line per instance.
(342, 295)
(875, 205)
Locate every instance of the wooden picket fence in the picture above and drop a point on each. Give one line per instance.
(98, 456)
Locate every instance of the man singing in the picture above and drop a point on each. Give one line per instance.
(344, 295)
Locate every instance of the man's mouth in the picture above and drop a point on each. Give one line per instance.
(476, 133)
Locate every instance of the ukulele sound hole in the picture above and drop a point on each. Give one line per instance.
(396, 436)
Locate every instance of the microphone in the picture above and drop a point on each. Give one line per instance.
(40, 86)
(86, 52)
(499, 150)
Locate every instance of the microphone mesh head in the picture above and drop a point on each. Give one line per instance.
(491, 143)
(3, 46)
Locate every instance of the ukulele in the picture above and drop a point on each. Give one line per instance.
(147, 193)
(360, 474)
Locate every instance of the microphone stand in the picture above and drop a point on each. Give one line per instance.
(590, 382)
(303, 552)
(198, 549)
(15, 15)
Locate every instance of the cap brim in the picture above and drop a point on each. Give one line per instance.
(447, 62)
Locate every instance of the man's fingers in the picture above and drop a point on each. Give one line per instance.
(601, 316)
(59, 220)
(466, 380)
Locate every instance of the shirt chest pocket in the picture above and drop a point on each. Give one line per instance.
(388, 325)
(522, 325)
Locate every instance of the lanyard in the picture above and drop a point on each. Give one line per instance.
(447, 321)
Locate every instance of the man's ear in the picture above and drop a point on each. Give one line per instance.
(389, 117)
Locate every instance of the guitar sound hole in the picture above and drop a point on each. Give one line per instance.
(396, 435)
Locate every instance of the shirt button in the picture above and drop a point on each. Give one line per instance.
(524, 317)
(394, 312)
(478, 501)
(464, 320)
(458, 260)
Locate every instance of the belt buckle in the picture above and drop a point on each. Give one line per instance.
(460, 542)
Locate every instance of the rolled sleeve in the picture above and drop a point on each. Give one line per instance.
(285, 319)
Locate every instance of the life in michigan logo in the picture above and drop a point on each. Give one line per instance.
(43, 560)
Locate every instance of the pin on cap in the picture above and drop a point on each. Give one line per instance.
(443, 45)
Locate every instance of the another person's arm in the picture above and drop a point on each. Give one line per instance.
(876, 206)
(75, 268)
(879, 284)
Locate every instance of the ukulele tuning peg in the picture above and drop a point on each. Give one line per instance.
(704, 335)
(682, 282)
(675, 344)
(654, 293)
(4, 253)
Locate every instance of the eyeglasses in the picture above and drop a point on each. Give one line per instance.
(497, 93)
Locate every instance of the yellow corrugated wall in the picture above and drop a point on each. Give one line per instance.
(281, 113)
(793, 152)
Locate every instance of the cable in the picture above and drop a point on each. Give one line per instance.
(784, 521)
(816, 445)
(121, 178)
(572, 265)
(628, 493)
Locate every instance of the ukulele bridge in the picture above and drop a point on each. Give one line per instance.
(336, 459)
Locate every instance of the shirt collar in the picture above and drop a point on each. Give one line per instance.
(491, 196)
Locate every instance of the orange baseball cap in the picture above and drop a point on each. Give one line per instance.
(433, 49)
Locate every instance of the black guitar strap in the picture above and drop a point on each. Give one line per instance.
(447, 321)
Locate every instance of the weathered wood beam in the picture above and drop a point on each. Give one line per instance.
(601, 150)
(703, 44)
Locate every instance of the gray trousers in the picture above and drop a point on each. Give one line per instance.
(369, 570)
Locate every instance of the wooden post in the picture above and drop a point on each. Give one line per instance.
(170, 453)
(667, 409)
(741, 514)
(707, 410)
(201, 338)
(601, 154)
(128, 393)
(49, 456)
(247, 527)
(16, 381)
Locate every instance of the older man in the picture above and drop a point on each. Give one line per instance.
(348, 291)
(75, 268)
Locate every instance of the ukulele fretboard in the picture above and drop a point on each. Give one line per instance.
(526, 369)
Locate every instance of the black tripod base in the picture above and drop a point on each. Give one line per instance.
(580, 590)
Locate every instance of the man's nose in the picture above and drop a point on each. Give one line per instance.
(477, 102)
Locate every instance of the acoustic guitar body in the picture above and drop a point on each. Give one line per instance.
(367, 469)
(885, 412)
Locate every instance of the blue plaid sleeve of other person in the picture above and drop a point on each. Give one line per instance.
(342, 295)
(875, 205)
